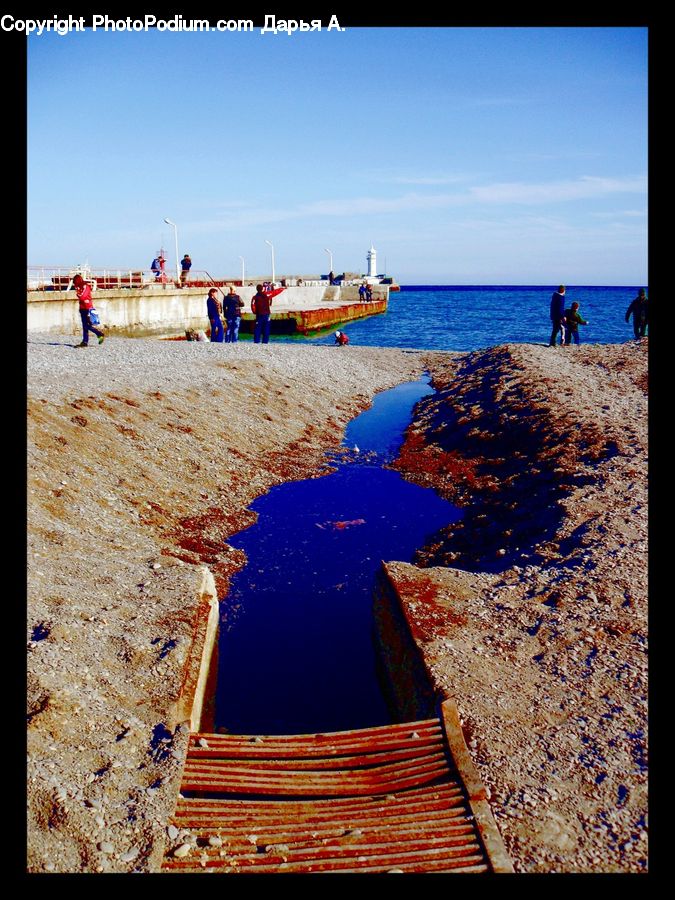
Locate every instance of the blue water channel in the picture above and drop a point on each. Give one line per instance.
(296, 652)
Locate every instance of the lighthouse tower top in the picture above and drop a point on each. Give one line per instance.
(372, 262)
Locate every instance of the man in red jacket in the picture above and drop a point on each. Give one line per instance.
(261, 306)
(83, 291)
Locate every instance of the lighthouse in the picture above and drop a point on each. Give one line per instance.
(372, 262)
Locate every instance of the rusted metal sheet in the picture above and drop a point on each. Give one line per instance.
(215, 757)
(372, 800)
(412, 737)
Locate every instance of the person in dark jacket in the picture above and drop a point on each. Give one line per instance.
(639, 309)
(261, 306)
(557, 314)
(572, 322)
(213, 310)
(232, 307)
(185, 266)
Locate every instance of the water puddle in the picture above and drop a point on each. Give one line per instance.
(296, 652)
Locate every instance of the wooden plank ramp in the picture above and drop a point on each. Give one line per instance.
(392, 798)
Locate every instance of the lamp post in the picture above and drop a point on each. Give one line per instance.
(175, 235)
(242, 269)
(330, 258)
(272, 246)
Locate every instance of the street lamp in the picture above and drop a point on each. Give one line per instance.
(330, 256)
(175, 234)
(242, 270)
(272, 246)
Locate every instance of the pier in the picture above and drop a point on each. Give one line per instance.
(165, 310)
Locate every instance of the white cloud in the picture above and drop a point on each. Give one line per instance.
(585, 187)
(549, 157)
(429, 179)
(621, 214)
(516, 193)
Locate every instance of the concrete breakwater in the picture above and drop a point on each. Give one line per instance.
(164, 310)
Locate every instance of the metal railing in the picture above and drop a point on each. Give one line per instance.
(60, 278)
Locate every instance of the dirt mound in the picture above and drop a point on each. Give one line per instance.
(539, 628)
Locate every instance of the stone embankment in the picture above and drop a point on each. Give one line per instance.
(167, 311)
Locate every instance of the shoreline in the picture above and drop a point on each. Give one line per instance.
(161, 452)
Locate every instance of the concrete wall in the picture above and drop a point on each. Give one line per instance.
(407, 682)
(196, 703)
(157, 310)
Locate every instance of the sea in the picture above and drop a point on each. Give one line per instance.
(472, 317)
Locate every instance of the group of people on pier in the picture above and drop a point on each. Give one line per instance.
(159, 262)
(230, 309)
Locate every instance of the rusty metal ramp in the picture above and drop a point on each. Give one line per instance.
(395, 798)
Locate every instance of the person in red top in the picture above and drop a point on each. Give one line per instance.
(83, 291)
(341, 338)
(261, 306)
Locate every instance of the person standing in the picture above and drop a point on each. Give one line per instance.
(557, 314)
(572, 321)
(83, 291)
(639, 309)
(261, 307)
(185, 266)
(213, 309)
(232, 307)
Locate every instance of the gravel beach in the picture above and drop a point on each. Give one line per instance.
(142, 459)
(532, 612)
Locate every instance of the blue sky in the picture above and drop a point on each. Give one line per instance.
(466, 155)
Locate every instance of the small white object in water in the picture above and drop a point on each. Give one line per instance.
(356, 449)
